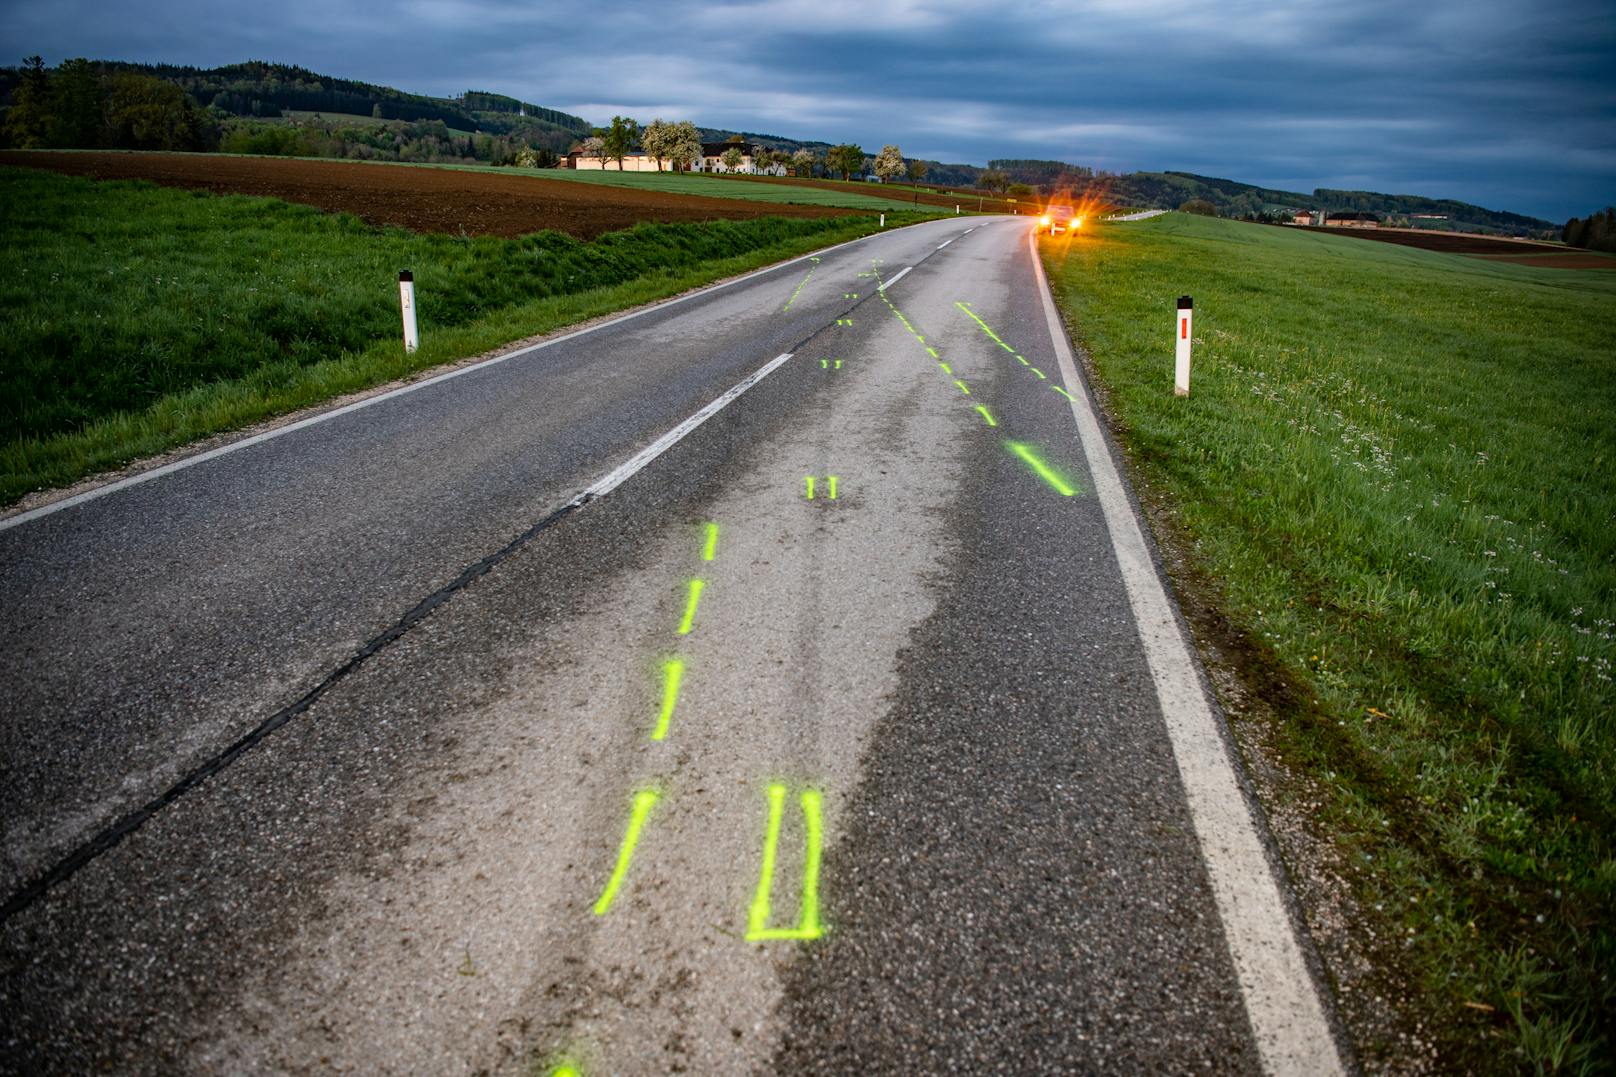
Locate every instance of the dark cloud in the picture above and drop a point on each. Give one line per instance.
(1492, 101)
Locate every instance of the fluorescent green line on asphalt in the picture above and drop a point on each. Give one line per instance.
(1040, 374)
(962, 387)
(986, 414)
(711, 547)
(794, 295)
(691, 601)
(566, 1069)
(947, 369)
(1023, 361)
(808, 925)
(810, 480)
(1043, 470)
(932, 351)
(830, 481)
(1064, 393)
(644, 801)
(673, 673)
(985, 328)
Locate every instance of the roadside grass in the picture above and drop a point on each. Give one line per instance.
(1396, 467)
(136, 318)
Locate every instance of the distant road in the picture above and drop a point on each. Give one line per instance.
(777, 679)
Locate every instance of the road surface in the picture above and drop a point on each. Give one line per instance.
(775, 680)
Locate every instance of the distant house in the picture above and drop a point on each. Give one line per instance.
(712, 160)
(1306, 217)
(1352, 220)
(634, 162)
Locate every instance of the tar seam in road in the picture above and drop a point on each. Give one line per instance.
(133, 821)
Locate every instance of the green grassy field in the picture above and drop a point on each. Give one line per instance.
(750, 188)
(136, 318)
(1395, 477)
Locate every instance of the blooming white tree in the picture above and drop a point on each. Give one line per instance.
(657, 140)
(802, 162)
(595, 146)
(889, 163)
(684, 144)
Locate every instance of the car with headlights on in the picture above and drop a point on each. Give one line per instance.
(1059, 219)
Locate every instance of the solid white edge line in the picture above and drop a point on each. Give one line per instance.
(268, 435)
(605, 485)
(884, 285)
(940, 246)
(1292, 1033)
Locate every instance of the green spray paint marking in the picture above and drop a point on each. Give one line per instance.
(798, 292)
(991, 334)
(1064, 393)
(1040, 374)
(1043, 470)
(691, 601)
(962, 387)
(947, 369)
(844, 321)
(932, 351)
(711, 547)
(808, 926)
(1007, 347)
(830, 480)
(566, 1069)
(830, 487)
(673, 672)
(825, 364)
(986, 414)
(810, 481)
(644, 801)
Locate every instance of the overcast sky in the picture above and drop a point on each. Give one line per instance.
(1510, 104)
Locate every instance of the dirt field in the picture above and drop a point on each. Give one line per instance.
(421, 199)
(1520, 251)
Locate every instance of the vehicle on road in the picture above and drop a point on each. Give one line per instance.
(1059, 219)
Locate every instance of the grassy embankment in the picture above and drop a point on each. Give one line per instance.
(1395, 477)
(137, 318)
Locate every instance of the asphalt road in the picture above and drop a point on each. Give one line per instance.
(398, 743)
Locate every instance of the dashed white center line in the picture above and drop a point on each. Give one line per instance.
(940, 246)
(884, 285)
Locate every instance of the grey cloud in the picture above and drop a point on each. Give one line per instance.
(1491, 101)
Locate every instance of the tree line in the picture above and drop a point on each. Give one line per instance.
(80, 106)
(1596, 232)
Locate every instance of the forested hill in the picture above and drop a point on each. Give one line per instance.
(1168, 190)
(268, 108)
(257, 88)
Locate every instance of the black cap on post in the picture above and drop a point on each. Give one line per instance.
(1184, 302)
(405, 275)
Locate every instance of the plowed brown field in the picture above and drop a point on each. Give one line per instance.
(1520, 251)
(419, 198)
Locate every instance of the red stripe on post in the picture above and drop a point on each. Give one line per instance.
(1183, 329)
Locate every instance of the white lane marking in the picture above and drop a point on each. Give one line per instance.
(884, 285)
(1282, 1000)
(940, 246)
(325, 416)
(603, 486)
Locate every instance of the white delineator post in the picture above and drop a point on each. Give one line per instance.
(1184, 332)
(883, 220)
(406, 299)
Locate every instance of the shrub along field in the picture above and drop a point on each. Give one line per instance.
(1395, 478)
(136, 318)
